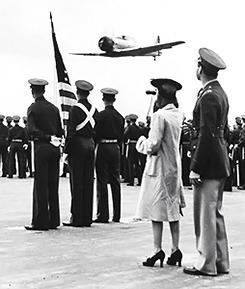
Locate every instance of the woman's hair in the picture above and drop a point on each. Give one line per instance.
(167, 95)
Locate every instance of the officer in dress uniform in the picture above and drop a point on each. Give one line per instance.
(185, 152)
(17, 143)
(241, 148)
(236, 151)
(124, 157)
(44, 127)
(209, 168)
(3, 145)
(9, 120)
(144, 130)
(28, 151)
(80, 147)
(131, 135)
(109, 132)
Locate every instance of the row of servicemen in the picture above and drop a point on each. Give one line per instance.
(16, 150)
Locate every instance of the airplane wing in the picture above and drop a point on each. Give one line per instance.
(139, 51)
(90, 54)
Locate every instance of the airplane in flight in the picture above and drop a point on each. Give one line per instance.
(127, 46)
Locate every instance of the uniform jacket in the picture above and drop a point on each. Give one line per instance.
(210, 158)
(3, 134)
(17, 132)
(132, 132)
(76, 117)
(161, 188)
(110, 124)
(43, 120)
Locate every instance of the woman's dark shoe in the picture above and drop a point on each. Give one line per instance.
(176, 257)
(151, 261)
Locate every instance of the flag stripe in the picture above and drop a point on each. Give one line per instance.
(67, 101)
(65, 86)
(66, 93)
(65, 107)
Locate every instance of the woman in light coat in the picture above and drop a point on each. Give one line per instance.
(161, 193)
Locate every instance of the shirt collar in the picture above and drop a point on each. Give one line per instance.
(210, 81)
(169, 106)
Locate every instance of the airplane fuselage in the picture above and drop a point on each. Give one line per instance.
(127, 46)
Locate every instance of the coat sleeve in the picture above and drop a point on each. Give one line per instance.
(152, 144)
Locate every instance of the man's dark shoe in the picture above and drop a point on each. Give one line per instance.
(115, 221)
(32, 228)
(241, 187)
(194, 271)
(53, 227)
(227, 272)
(100, 221)
(70, 224)
(130, 184)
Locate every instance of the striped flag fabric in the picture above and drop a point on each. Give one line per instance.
(66, 93)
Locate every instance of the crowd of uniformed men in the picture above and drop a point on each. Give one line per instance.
(15, 150)
(104, 142)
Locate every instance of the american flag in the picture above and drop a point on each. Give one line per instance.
(66, 93)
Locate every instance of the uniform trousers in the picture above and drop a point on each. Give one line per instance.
(81, 168)
(134, 164)
(108, 172)
(3, 156)
(46, 213)
(28, 161)
(16, 148)
(211, 238)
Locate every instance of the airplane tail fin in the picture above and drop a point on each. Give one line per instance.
(158, 39)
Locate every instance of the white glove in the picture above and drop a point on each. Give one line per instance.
(195, 178)
(25, 146)
(65, 158)
(55, 141)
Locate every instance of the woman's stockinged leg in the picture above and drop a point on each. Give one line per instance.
(175, 232)
(157, 228)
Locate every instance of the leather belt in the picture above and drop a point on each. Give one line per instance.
(108, 141)
(218, 134)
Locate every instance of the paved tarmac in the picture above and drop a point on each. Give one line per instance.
(105, 255)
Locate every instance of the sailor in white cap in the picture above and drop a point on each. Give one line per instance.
(44, 127)
(109, 131)
(80, 147)
(210, 166)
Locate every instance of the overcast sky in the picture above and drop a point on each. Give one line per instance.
(26, 49)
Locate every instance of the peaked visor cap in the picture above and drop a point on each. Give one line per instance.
(108, 90)
(211, 60)
(38, 82)
(16, 118)
(161, 82)
(9, 118)
(84, 85)
(133, 116)
(2, 117)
